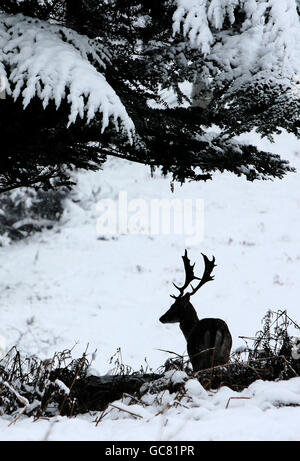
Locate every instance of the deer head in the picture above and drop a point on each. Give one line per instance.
(178, 310)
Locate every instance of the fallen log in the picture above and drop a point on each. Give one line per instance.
(96, 392)
(46, 388)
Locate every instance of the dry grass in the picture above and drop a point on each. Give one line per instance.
(60, 386)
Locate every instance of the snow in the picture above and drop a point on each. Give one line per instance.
(52, 63)
(70, 285)
(254, 414)
(2, 346)
(296, 348)
(195, 24)
(62, 386)
(263, 51)
(176, 376)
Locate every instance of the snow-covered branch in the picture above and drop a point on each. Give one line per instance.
(263, 47)
(197, 17)
(51, 62)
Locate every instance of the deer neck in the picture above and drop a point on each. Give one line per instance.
(188, 321)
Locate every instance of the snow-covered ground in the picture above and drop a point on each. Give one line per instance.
(264, 411)
(70, 285)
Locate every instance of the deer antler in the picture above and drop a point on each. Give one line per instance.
(190, 276)
(206, 277)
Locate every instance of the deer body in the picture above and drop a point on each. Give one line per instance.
(209, 344)
(208, 340)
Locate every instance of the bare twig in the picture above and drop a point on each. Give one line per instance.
(78, 371)
(236, 398)
(126, 411)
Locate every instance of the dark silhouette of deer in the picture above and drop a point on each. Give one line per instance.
(208, 340)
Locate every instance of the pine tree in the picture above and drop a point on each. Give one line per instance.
(144, 80)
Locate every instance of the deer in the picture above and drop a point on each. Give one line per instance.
(208, 340)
